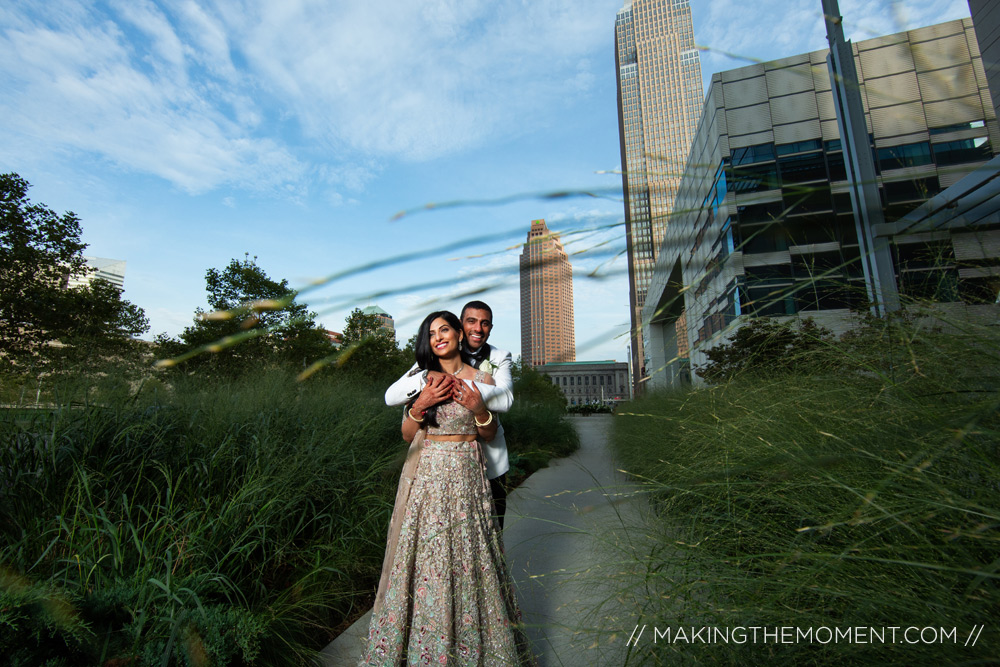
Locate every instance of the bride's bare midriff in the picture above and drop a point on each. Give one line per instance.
(452, 438)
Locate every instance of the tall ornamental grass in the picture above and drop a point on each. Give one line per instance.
(861, 492)
(191, 522)
(229, 524)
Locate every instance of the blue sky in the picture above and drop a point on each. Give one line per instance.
(185, 134)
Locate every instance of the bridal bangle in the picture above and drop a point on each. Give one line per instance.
(485, 423)
(421, 420)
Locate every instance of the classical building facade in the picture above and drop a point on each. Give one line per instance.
(659, 101)
(588, 382)
(546, 276)
(765, 224)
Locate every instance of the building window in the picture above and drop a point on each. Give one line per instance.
(965, 150)
(957, 127)
(911, 189)
(803, 168)
(753, 178)
(799, 146)
(907, 155)
(758, 153)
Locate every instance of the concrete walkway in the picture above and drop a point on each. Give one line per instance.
(572, 554)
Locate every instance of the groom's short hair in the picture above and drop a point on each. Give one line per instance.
(477, 305)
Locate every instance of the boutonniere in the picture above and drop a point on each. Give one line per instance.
(487, 367)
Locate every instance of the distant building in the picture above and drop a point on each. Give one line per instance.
(111, 270)
(336, 337)
(765, 224)
(659, 101)
(585, 382)
(385, 319)
(547, 321)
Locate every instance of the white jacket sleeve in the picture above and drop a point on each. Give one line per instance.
(499, 397)
(406, 387)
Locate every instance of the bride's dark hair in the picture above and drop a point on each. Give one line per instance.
(427, 360)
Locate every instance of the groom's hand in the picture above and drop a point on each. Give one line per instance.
(437, 389)
(447, 379)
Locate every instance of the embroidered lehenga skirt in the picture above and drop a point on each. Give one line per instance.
(445, 597)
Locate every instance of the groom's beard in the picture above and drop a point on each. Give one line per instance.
(478, 356)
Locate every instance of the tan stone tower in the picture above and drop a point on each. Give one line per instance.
(659, 103)
(546, 299)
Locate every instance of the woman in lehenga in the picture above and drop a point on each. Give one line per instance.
(445, 596)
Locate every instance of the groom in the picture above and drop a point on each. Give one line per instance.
(477, 321)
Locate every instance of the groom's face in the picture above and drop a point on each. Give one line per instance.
(477, 325)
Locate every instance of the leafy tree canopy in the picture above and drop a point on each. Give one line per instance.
(42, 319)
(252, 320)
(532, 387)
(765, 345)
(370, 350)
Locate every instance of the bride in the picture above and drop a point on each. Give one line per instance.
(445, 596)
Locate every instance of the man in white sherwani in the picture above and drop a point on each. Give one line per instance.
(477, 321)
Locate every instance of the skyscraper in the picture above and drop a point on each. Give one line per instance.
(659, 103)
(546, 299)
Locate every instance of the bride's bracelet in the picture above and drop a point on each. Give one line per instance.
(485, 423)
(421, 420)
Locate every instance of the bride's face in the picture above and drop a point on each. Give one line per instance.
(445, 339)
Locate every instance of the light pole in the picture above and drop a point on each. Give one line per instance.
(876, 258)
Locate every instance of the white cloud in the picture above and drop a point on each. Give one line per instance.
(420, 80)
(255, 94)
(89, 88)
(797, 26)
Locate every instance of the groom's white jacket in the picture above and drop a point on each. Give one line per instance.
(498, 398)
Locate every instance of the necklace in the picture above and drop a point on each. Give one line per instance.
(460, 369)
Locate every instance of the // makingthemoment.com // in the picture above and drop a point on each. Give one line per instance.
(759, 634)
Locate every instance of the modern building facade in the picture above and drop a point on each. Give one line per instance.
(111, 270)
(986, 19)
(764, 223)
(589, 382)
(659, 102)
(547, 323)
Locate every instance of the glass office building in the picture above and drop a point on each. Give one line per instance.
(763, 222)
(659, 102)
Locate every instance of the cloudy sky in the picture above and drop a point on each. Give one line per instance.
(185, 134)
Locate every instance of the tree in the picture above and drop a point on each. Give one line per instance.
(251, 320)
(765, 345)
(532, 387)
(369, 349)
(104, 323)
(41, 318)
